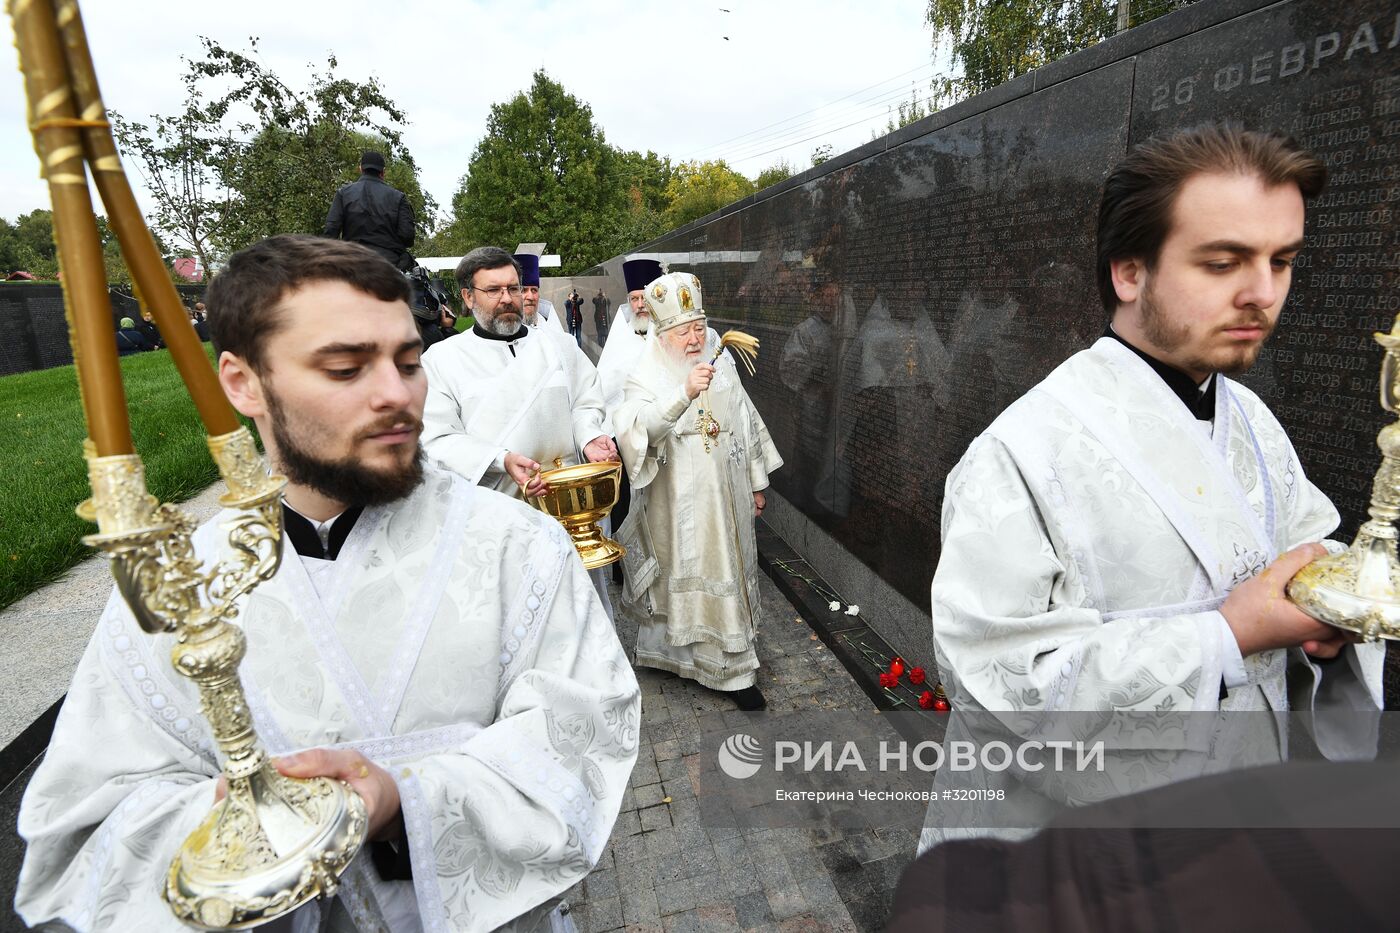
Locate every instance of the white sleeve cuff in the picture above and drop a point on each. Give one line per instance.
(678, 406)
(1231, 661)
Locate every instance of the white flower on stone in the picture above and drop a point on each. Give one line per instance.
(833, 605)
(853, 610)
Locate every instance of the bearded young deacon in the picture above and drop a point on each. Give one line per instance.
(1119, 539)
(537, 310)
(699, 457)
(434, 644)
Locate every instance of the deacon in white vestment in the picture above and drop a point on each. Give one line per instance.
(434, 644)
(628, 335)
(504, 400)
(699, 457)
(1119, 538)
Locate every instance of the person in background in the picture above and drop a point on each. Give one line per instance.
(600, 317)
(573, 308)
(373, 213)
(537, 310)
(148, 329)
(129, 339)
(699, 456)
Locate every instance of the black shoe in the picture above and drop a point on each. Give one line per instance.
(749, 700)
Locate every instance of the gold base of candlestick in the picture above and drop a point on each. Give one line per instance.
(273, 842)
(270, 846)
(1359, 589)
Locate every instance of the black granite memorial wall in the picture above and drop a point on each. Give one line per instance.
(906, 292)
(35, 331)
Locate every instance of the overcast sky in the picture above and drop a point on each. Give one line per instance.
(659, 75)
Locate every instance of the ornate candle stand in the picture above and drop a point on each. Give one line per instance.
(1359, 589)
(273, 842)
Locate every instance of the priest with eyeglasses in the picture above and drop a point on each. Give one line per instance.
(505, 400)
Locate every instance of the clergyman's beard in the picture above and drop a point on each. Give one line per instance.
(677, 363)
(345, 480)
(495, 325)
(640, 325)
(1169, 337)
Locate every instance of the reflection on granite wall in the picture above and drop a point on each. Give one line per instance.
(908, 292)
(1326, 73)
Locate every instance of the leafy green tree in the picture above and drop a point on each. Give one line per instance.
(993, 41)
(645, 177)
(821, 154)
(251, 155)
(27, 245)
(35, 234)
(175, 156)
(11, 255)
(643, 217)
(700, 188)
(543, 172)
(773, 174)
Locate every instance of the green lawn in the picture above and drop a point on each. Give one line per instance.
(42, 474)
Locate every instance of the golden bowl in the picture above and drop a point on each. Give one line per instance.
(579, 497)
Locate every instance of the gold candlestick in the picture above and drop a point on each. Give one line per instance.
(273, 842)
(1359, 589)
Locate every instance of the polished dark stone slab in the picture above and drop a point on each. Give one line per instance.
(904, 300)
(1328, 74)
(906, 292)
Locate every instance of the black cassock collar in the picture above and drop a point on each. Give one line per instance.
(1201, 403)
(305, 539)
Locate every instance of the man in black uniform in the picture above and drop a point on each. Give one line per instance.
(373, 213)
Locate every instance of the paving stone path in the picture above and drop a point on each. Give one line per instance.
(664, 870)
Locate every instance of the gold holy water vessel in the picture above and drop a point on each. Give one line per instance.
(580, 497)
(1359, 589)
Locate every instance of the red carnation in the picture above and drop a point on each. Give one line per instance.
(916, 675)
(926, 700)
(888, 680)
